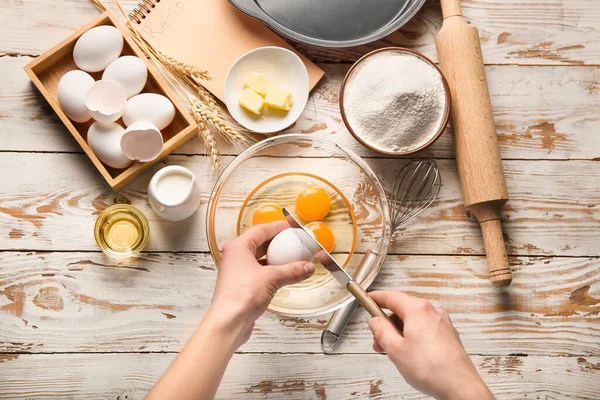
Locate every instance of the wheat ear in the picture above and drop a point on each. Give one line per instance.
(185, 68)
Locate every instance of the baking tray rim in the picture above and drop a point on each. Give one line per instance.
(409, 12)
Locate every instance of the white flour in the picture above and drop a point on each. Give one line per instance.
(394, 101)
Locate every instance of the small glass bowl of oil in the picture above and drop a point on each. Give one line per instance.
(121, 231)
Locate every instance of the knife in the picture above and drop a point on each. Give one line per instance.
(333, 267)
(340, 318)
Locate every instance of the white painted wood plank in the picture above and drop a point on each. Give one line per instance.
(540, 112)
(51, 201)
(525, 32)
(130, 376)
(85, 302)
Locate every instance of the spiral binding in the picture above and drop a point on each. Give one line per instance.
(145, 7)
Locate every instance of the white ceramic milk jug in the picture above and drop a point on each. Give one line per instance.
(174, 193)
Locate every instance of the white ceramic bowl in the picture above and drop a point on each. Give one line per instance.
(285, 70)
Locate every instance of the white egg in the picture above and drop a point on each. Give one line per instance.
(97, 48)
(150, 107)
(142, 141)
(106, 101)
(286, 248)
(71, 91)
(129, 72)
(105, 141)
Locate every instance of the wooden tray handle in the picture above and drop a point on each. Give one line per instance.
(363, 297)
(495, 251)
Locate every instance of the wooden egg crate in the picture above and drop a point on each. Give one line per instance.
(46, 70)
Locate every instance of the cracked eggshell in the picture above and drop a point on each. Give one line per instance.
(142, 141)
(105, 141)
(106, 101)
(129, 72)
(71, 91)
(97, 48)
(150, 107)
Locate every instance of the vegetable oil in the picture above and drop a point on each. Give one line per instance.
(121, 231)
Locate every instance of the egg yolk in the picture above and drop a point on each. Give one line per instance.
(323, 234)
(267, 213)
(313, 204)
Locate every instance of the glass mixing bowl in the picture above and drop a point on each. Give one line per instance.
(299, 154)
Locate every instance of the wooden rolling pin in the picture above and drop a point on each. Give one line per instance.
(475, 140)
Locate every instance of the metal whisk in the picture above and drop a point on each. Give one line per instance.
(416, 186)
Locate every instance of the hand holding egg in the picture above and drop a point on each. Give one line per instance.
(244, 286)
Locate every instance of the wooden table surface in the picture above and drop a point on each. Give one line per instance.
(74, 324)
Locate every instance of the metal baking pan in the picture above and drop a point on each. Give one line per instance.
(332, 23)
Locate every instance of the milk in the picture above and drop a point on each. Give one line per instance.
(174, 193)
(173, 188)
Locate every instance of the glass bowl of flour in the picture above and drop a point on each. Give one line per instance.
(395, 101)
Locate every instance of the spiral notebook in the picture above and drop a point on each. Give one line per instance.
(211, 34)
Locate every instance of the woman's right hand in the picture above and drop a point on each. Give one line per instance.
(429, 354)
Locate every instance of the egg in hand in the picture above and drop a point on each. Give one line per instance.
(286, 248)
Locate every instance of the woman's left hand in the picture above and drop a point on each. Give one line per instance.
(245, 286)
(244, 289)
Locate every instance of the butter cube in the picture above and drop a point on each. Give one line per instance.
(252, 101)
(257, 82)
(278, 98)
